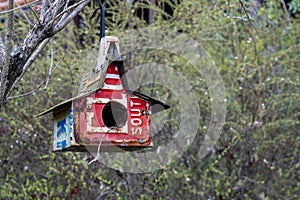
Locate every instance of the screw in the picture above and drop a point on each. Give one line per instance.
(141, 141)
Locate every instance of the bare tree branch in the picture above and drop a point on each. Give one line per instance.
(249, 17)
(51, 63)
(34, 13)
(54, 16)
(7, 51)
(13, 9)
(56, 7)
(29, 62)
(287, 14)
(61, 24)
(25, 15)
(2, 54)
(45, 6)
(39, 86)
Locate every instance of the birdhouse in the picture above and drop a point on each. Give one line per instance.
(105, 111)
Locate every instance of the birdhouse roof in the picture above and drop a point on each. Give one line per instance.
(98, 83)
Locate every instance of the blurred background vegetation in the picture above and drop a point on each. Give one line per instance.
(256, 49)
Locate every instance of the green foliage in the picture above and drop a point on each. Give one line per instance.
(294, 6)
(257, 155)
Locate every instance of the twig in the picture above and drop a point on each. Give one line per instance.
(13, 9)
(248, 17)
(66, 9)
(286, 11)
(28, 63)
(66, 5)
(45, 4)
(237, 17)
(25, 15)
(36, 89)
(34, 13)
(56, 5)
(58, 27)
(62, 23)
(51, 63)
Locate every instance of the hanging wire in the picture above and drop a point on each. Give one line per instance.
(101, 17)
(97, 157)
